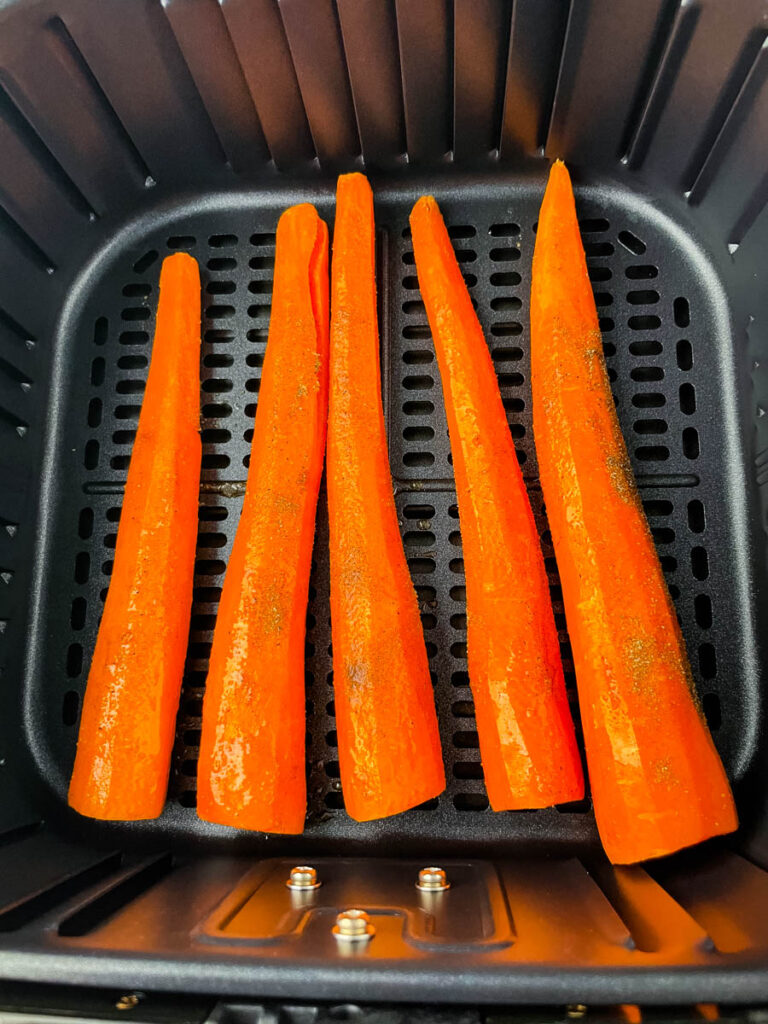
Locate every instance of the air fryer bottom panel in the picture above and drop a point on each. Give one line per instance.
(513, 931)
(669, 351)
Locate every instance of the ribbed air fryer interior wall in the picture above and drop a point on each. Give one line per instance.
(133, 128)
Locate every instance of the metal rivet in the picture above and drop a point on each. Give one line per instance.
(576, 1011)
(353, 926)
(303, 877)
(433, 880)
(128, 1002)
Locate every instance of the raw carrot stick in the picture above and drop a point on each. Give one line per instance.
(527, 742)
(251, 770)
(657, 781)
(389, 746)
(129, 710)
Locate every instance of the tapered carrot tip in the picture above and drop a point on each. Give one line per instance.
(303, 216)
(424, 205)
(351, 185)
(181, 268)
(559, 193)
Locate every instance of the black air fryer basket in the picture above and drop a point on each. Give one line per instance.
(130, 129)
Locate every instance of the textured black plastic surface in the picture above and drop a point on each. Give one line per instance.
(131, 128)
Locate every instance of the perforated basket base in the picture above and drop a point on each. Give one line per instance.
(669, 356)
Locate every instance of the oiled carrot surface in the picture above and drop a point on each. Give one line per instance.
(251, 769)
(527, 741)
(657, 781)
(129, 710)
(389, 746)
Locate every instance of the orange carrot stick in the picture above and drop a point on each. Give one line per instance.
(129, 710)
(389, 746)
(251, 770)
(527, 742)
(657, 781)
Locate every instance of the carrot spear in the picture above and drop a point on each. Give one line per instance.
(251, 769)
(657, 781)
(527, 742)
(389, 746)
(129, 711)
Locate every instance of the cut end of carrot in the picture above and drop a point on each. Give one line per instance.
(95, 789)
(285, 822)
(635, 850)
(113, 814)
(503, 797)
(374, 810)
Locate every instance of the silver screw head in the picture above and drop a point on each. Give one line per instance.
(128, 1002)
(303, 877)
(433, 879)
(353, 926)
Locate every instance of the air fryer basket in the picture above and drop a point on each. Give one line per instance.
(133, 128)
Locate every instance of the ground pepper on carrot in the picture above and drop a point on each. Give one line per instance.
(251, 769)
(527, 740)
(389, 746)
(129, 710)
(657, 782)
